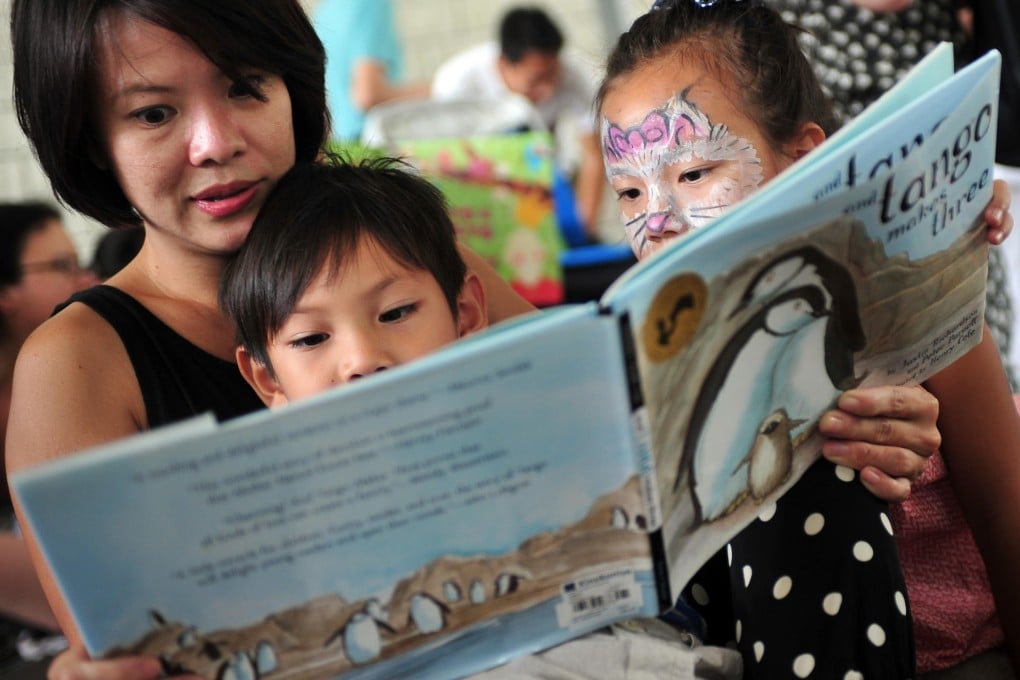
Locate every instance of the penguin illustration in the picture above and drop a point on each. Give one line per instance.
(808, 266)
(188, 638)
(618, 518)
(428, 614)
(739, 392)
(477, 592)
(507, 583)
(771, 456)
(451, 591)
(265, 657)
(238, 667)
(361, 635)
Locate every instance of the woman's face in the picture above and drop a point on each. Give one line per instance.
(194, 153)
(679, 150)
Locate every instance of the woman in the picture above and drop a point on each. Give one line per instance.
(179, 116)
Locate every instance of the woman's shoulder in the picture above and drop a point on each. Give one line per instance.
(73, 387)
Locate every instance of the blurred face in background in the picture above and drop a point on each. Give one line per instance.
(50, 273)
(535, 76)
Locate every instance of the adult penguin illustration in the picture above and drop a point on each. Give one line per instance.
(794, 354)
(808, 266)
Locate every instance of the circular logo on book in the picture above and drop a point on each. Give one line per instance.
(673, 317)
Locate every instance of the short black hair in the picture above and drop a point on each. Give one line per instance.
(317, 214)
(17, 222)
(56, 46)
(528, 29)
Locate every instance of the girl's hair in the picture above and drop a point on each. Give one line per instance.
(316, 215)
(56, 47)
(17, 222)
(744, 43)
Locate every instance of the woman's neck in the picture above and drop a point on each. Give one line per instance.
(181, 289)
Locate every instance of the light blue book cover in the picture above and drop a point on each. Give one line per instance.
(553, 474)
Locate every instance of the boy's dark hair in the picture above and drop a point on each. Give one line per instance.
(17, 222)
(749, 44)
(316, 215)
(528, 29)
(56, 56)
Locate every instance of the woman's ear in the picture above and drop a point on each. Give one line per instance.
(260, 378)
(471, 313)
(809, 136)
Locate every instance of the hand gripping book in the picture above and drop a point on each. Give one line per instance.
(558, 472)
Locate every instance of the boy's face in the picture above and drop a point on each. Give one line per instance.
(373, 315)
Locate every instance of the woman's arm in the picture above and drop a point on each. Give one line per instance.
(67, 396)
(981, 447)
(21, 595)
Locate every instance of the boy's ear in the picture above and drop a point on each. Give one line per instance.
(471, 313)
(807, 138)
(260, 378)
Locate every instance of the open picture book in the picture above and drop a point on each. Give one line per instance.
(555, 473)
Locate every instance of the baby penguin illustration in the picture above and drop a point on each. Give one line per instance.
(770, 459)
(773, 378)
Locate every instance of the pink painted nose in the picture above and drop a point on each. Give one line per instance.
(657, 223)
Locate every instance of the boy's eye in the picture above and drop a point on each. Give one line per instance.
(249, 86)
(153, 115)
(397, 313)
(629, 194)
(307, 341)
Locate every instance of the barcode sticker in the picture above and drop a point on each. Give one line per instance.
(599, 598)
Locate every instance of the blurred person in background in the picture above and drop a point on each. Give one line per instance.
(364, 62)
(38, 270)
(529, 60)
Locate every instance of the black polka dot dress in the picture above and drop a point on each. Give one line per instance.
(812, 588)
(859, 54)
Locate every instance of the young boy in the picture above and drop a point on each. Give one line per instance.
(348, 270)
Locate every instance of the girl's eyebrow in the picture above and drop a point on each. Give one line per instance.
(621, 169)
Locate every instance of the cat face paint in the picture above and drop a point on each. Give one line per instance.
(675, 171)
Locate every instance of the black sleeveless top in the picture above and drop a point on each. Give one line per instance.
(178, 379)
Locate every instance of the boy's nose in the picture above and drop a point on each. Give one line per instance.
(362, 357)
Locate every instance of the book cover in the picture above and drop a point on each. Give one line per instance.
(556, 473)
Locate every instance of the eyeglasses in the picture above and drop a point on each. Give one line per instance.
(61, 265)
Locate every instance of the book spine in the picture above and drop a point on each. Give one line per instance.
(641, 432)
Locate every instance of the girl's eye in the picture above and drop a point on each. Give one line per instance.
(307, 341)
(694, 175)
(153, 115)
(398, 313)
(629, 194)
(249, 86)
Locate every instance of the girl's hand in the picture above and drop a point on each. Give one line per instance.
(1000, 222)
(887, 433)
(74, 664)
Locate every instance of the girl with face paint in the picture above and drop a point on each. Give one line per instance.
(703, 102)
